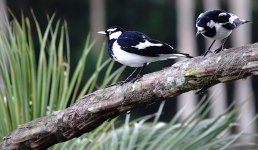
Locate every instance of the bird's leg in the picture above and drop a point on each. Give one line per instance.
(207, 51)
(139, 75)
(221, 47)
(129, 78)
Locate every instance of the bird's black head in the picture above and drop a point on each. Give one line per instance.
(207, 20)
(113, 32)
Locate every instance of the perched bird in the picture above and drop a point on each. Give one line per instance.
(217, 25)
(135, 49)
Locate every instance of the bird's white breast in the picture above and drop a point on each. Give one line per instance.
(115, 35)
(221, 32)
(130, 59)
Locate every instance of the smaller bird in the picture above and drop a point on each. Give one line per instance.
(135, 49)
(217, 25)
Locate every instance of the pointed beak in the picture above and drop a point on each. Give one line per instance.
(247, 21)
(102, 32)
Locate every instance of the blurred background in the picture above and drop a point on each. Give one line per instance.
(171, 21)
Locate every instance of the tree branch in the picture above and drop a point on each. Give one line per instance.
(95, 108)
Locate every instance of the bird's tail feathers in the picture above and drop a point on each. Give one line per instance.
(183, 55)
(174, 53)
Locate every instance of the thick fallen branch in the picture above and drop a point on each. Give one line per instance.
(95, 108)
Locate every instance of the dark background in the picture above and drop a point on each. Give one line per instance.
(156, 18)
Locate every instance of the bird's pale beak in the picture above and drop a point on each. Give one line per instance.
(102, 32)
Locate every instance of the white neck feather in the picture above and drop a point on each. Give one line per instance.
(115, 35)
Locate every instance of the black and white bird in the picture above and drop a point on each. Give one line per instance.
(217, 25)
(135, 49)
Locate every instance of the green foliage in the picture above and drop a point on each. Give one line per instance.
(194, 133)
(35, 85)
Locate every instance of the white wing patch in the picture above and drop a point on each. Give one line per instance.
(145, 44)
(112, 30)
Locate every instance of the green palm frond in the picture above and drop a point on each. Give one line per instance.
(194, 133)
(36, 72)
(37, 80)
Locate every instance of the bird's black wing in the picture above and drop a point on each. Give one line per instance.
(133, 42)
(218, 16)
(214, 15)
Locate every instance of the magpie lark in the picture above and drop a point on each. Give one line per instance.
(135, 49)
(217, 25)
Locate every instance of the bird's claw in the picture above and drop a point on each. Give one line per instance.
(131, 79)
(218, 50)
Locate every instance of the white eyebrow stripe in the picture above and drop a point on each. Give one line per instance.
(112, 29)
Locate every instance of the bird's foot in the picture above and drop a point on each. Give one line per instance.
(218, 50)
(113, 84)
(138, 76)
(131, 79)
(121, 82)
(126, 81)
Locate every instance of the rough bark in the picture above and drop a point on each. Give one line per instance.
(95, 108)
